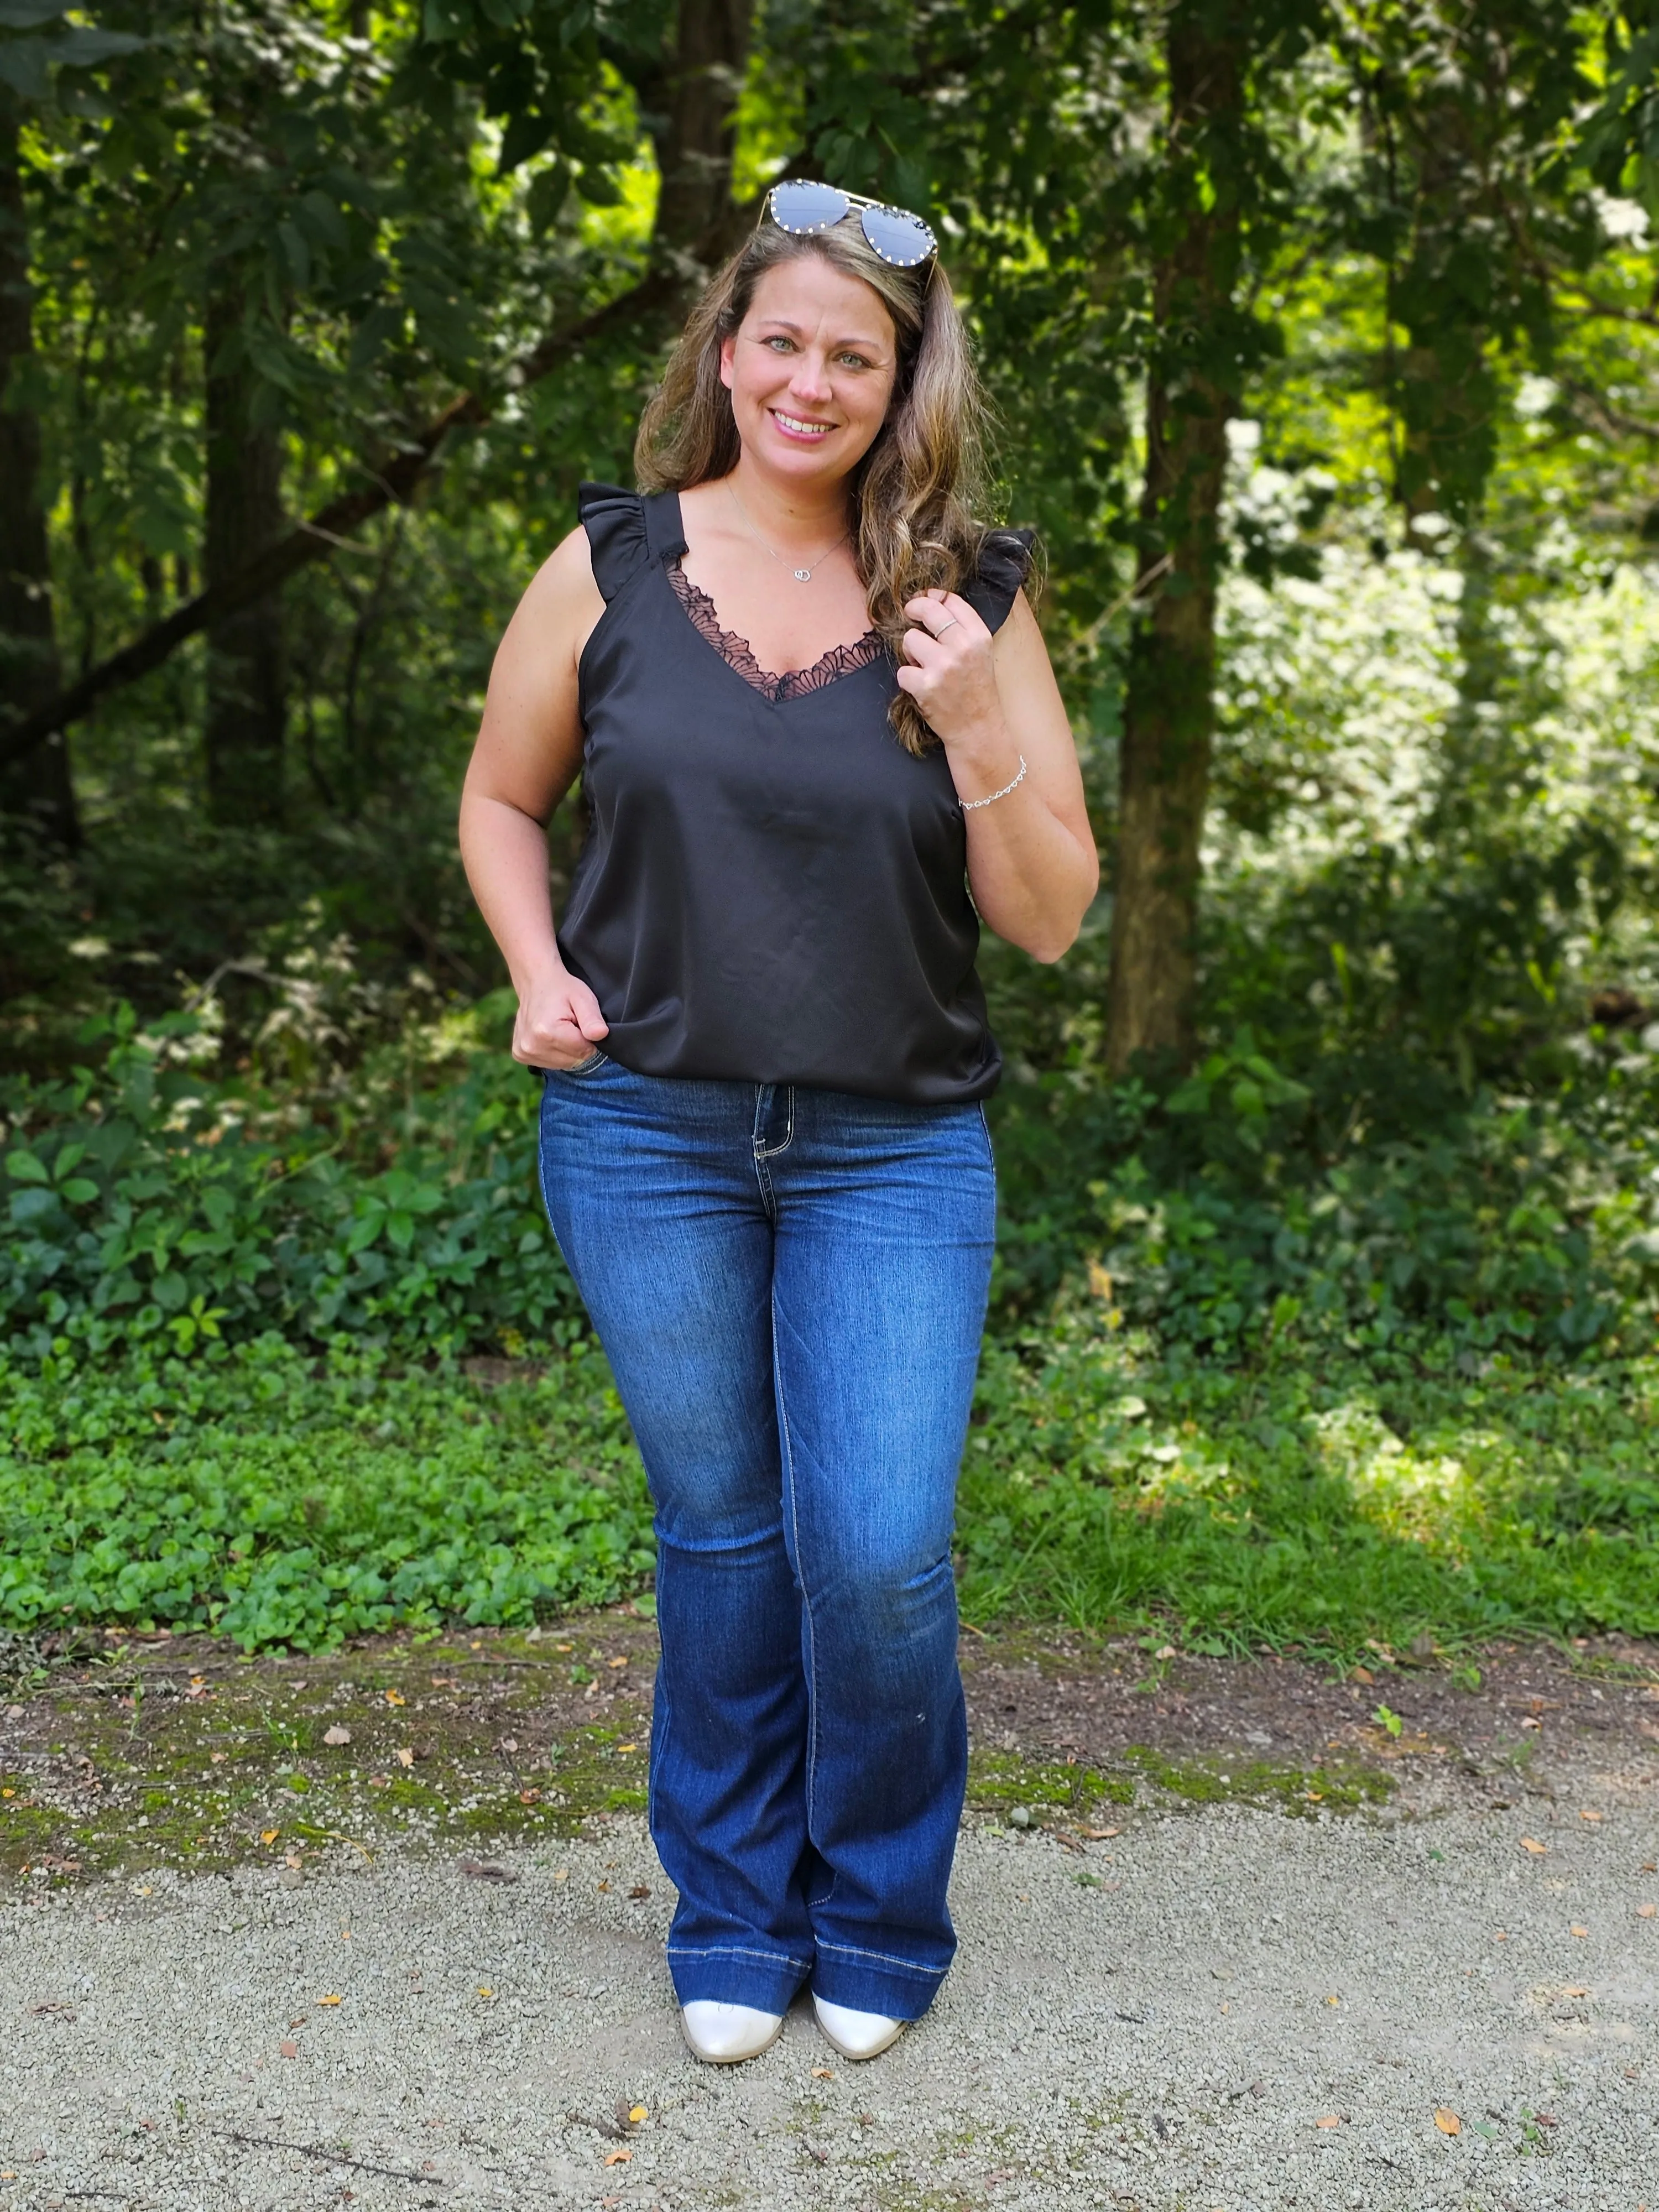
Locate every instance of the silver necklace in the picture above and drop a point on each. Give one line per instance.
(800, 575)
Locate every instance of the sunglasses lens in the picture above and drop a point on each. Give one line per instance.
(808, 207)
(899, 238)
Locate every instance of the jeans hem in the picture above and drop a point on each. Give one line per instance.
(734, 1975)
(863, 1985)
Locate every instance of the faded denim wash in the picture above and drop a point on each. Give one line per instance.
(790, 1285)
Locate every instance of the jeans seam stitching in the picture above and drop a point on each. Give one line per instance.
(883, 1958)
(541, 1166)
(787, 1454)
(735, 1951)
(771, 1153)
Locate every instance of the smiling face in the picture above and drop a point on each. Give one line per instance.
(811, 370)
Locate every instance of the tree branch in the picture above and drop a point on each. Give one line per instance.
(321, 534)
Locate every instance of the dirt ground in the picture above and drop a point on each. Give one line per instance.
(179, 1751)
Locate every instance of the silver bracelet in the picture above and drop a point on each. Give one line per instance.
(968, 805)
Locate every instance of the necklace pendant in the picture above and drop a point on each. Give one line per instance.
(803, 575)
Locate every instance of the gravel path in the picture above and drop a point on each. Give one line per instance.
(1214, 2010)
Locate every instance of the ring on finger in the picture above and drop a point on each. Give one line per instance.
(943, 627)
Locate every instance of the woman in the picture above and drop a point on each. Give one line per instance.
(807, 698)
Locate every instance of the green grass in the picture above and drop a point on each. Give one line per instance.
(1388, 1494)
(245, 1491)
(1381, 1494)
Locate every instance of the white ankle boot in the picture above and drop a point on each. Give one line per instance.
(722, 2034)
(856, 2034)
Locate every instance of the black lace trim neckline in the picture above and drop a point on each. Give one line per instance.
(736, 651)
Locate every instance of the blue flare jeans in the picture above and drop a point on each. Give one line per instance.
(790, 1285)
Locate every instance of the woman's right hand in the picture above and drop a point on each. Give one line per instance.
(559, 1022)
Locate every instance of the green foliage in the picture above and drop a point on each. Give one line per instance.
(261, 1149)
(283, 1499)
(145, 1205)
(1407, 1491)
(279, 1500)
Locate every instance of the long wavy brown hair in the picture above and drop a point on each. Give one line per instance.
(915, 491)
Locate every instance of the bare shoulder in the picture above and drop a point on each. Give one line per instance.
(561, 602)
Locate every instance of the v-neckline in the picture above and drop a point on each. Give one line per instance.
(737, 653)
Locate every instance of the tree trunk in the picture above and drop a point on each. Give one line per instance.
(1169, 707)
(246, 662)
(38, 786)
(695, 152)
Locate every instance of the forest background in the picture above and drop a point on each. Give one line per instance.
(1322, 338)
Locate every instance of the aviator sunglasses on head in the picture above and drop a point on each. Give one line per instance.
(899, 238)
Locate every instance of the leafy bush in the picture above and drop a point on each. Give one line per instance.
(146, 1203)
(280, 1501)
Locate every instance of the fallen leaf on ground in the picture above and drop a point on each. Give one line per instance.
(1362, 1675)
(1168, 1652)
(1100, 1835)
(269, 1835)
(530, 1797)
(1448, 2122)
(636, 2113)
(639, 1890)
(1590, 1816)
(822, 2074)
(483, 1870)
(628, 1746)
(395, 1698)
(337, 1735)
(485, 1992)
(1575, 1991)
(619, 1663)
(617, 2157)
(289, 2050)
(405, 1757)
(1330, 2120)
(1646, 1911)
(330, 1999)
(1531, 1844)
(445, 1683)
(1577, 1930)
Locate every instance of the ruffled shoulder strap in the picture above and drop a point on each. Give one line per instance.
(627, 532)
(1005, 562)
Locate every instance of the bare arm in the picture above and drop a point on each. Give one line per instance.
(1031, 861)
(527, 754)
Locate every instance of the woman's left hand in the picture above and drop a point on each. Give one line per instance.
(948, 669)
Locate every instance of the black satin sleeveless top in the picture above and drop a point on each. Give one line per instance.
(772, 889)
